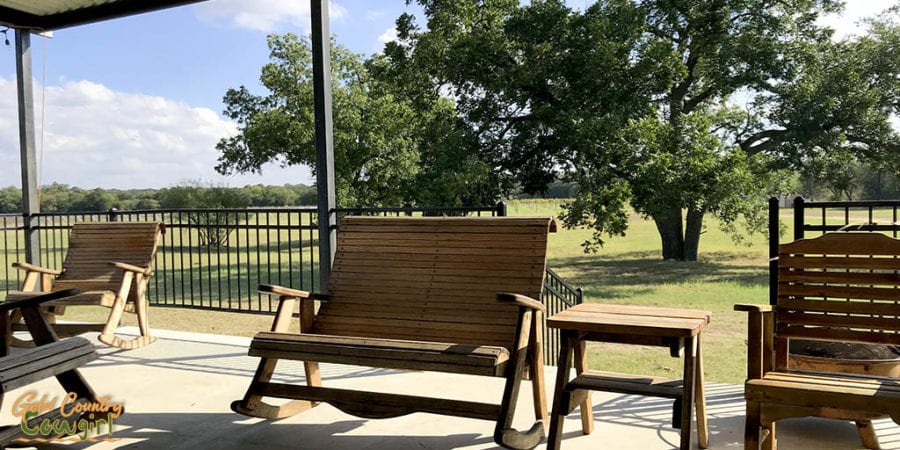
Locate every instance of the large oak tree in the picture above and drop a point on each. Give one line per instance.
(679, 109)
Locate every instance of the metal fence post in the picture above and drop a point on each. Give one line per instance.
(112, 214)
(502, 210)
(774, 238)
(799, 218)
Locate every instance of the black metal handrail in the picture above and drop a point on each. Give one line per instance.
(215, 258)
(557, 296)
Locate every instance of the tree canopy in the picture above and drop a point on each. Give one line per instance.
(678, 109)
(389, 151)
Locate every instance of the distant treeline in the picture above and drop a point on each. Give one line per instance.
(856, 184)
(63, 198)
(853, 182)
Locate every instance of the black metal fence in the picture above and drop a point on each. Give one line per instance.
(215, 258)
(556, 297)
(207, 258)
(822, 217)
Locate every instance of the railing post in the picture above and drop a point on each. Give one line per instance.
(774, 237)
(799, 218)
(580, 297)
(112, 214)
(502, 210)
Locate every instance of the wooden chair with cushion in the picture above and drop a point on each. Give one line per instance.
(111, 263)
(842, 287)
(450, 295)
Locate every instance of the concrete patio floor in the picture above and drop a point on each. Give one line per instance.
(177, 393)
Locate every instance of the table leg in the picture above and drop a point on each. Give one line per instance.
(700, 399)
(581, 365)
(687, 403)
(558, 415)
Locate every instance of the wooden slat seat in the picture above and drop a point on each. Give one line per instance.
(111, 264)
(383, 353)
(839, 287)
(874, 395)
(421, 293)
(25, 367)
(50, 357)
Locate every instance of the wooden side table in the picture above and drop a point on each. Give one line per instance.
(677, 329)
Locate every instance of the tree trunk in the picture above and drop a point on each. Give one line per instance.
(671, 233)
(877, 191)
(693, 227)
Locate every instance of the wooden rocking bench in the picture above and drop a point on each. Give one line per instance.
(51, 357)
(842, 287)
(111, 263)
(451, 295)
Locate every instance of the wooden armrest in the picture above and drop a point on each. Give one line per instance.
(37, 299)
(760, 346)
(521, 300)
(753, 308)
(283, 291)
(33, 268)
(132, 268)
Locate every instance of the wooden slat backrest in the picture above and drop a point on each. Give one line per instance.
(93, 245)
(433, 279)
(840, 287)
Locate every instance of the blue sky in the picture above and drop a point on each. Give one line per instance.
(136, 102)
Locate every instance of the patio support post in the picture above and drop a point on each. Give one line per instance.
(321, 53)
(28, 155)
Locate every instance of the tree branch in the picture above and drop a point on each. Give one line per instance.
(692, 103)
(680, 90)
(760, 141)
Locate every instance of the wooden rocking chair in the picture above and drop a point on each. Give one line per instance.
(111, 263)
(417, 293)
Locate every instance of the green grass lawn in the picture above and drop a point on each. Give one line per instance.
(630, 270)
(627, 270)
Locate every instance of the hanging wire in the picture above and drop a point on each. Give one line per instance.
(40, 174)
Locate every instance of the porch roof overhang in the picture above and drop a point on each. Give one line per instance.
(27, 16)
(46, 15)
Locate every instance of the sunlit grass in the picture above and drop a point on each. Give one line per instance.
(630, 270)
(626, 270)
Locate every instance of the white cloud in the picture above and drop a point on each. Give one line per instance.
(389, 35)
(97, 137)
(849, 22)
(262, 15)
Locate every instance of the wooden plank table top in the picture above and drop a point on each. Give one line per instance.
(630, 319)
(678, 329)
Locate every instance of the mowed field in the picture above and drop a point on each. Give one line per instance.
(627, 270)
(630, 270)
